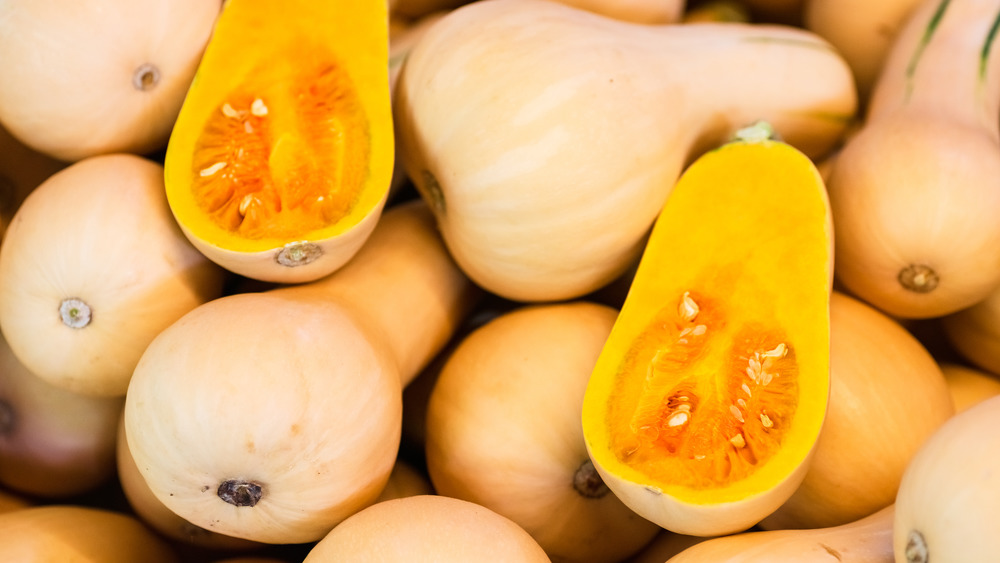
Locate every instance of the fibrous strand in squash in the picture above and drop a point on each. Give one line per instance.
(285, 155)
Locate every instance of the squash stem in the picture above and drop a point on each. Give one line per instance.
(587, 481)
(916, 548)
(74, 312)
(240, 493)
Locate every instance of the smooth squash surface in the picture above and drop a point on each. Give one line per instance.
(285, 136)
(709, 394)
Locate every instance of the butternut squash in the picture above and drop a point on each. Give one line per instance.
(523, 371)
(974, 333)
(546, 138)
(79, 534)
(273, 416)
(86, 78)
(949, 500)
(158, 517)
(913, 191)
(969, 385)
(708, 397)
(867, 540)
(426, 528)
(887, 396)
(861, 30)
(281, 158)
(92, 267)
(54, 443)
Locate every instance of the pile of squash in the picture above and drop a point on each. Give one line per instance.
(582, 281)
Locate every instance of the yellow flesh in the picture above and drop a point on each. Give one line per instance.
(285, 153)
(715, 400)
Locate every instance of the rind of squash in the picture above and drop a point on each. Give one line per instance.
(747, 232)
(286, 50)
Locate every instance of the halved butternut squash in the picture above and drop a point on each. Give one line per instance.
(707, 399)
(281, 157)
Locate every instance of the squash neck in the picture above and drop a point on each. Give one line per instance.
(945, 61)
(404, 288)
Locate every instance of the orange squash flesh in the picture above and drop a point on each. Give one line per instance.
(709, 395)
(285, 137)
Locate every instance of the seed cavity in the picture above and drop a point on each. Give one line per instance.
(74, 312)
(240, 493)
(587, 481)
(688, 309)
(146, 77)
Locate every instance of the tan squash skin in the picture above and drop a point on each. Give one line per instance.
(868, 540)
(505, 382)
(158, 517)
(862, 31)
(79, 534)
(974, 332)
(426, 528)
(887, 396)
(949, 500)
(969, 385)
(405, 480)
(98, 232)
(296, 391)
(97, 77)
(54, 443)
(913, 192)
(529, 155)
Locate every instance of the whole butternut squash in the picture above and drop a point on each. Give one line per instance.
(92, 267)
(272, 416)
(70, 533)
(914, 191)
(887, 396)
(546, 138)
(521, 371)
(426, 528)
(86, 78)
(867, 540)
(54, 443)
(949, 499)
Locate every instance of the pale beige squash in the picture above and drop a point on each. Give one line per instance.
(969, 385)
(92, 267)
(503, 431)
(949, 499)
(273, 416)
(84, 78)
(54, 443)
(866, 540)
(426, 528)
(70, 533)
(546, 138)
(887, 396)
(914, 191)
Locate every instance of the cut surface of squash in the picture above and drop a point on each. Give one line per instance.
(288, 139)
(709, 394)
